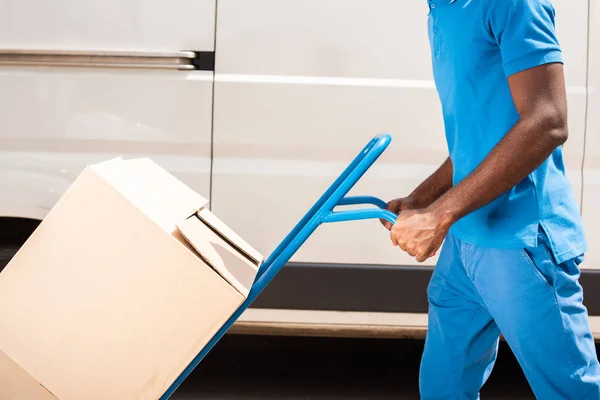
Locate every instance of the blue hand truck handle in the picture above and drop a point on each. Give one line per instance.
(322, 212)
(355, 215)
(354, 200)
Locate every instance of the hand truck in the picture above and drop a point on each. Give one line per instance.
(322, 212)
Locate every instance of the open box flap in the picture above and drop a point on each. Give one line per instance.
(234, 239)
(234, 266)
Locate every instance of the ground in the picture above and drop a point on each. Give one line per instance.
(246, 367)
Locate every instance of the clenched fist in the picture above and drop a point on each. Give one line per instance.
(398, 205)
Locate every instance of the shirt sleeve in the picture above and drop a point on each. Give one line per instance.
(525, 32)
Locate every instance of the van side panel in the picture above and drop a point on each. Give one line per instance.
(591, 173)
(56, 120)
(301, 87)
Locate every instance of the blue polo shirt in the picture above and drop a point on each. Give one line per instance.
(475, 46)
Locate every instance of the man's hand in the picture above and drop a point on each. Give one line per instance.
(429, 191)
(398, 205)
(418, 203)
(420, 232)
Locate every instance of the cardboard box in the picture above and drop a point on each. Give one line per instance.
(119, 288)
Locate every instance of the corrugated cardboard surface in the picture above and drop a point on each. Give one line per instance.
(17, 384)
(159, 195)
(103, 303)
(233, 266)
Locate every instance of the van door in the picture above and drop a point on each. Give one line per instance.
(83, 81)
(591, 171)
(300, 89)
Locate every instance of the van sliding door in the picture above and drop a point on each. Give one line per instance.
(83, 81)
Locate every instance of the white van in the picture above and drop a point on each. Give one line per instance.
(260, 104)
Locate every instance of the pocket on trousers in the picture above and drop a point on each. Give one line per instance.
(530, 256)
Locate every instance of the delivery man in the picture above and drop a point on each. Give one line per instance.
(512, 230)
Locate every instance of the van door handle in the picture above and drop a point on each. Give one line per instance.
(179, 60)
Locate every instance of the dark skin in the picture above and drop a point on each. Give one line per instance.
(425, 216)
(423, 196)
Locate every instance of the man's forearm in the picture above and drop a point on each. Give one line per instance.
(435, 186)
(518, 154)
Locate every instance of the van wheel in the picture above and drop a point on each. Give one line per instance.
(6, 254)
(13, 233)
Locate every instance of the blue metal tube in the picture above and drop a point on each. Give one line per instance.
(319, 213)
(356, 200)
(336, 184)
(356, 215)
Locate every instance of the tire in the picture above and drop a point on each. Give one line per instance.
(6, 254)
(13, 233)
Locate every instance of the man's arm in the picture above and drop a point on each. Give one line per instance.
(425, 194)
(435, 186)
(540, 98)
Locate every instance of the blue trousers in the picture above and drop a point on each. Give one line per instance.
(477, 293)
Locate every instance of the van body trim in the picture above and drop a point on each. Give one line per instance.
(181, 60)
(370, 288)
